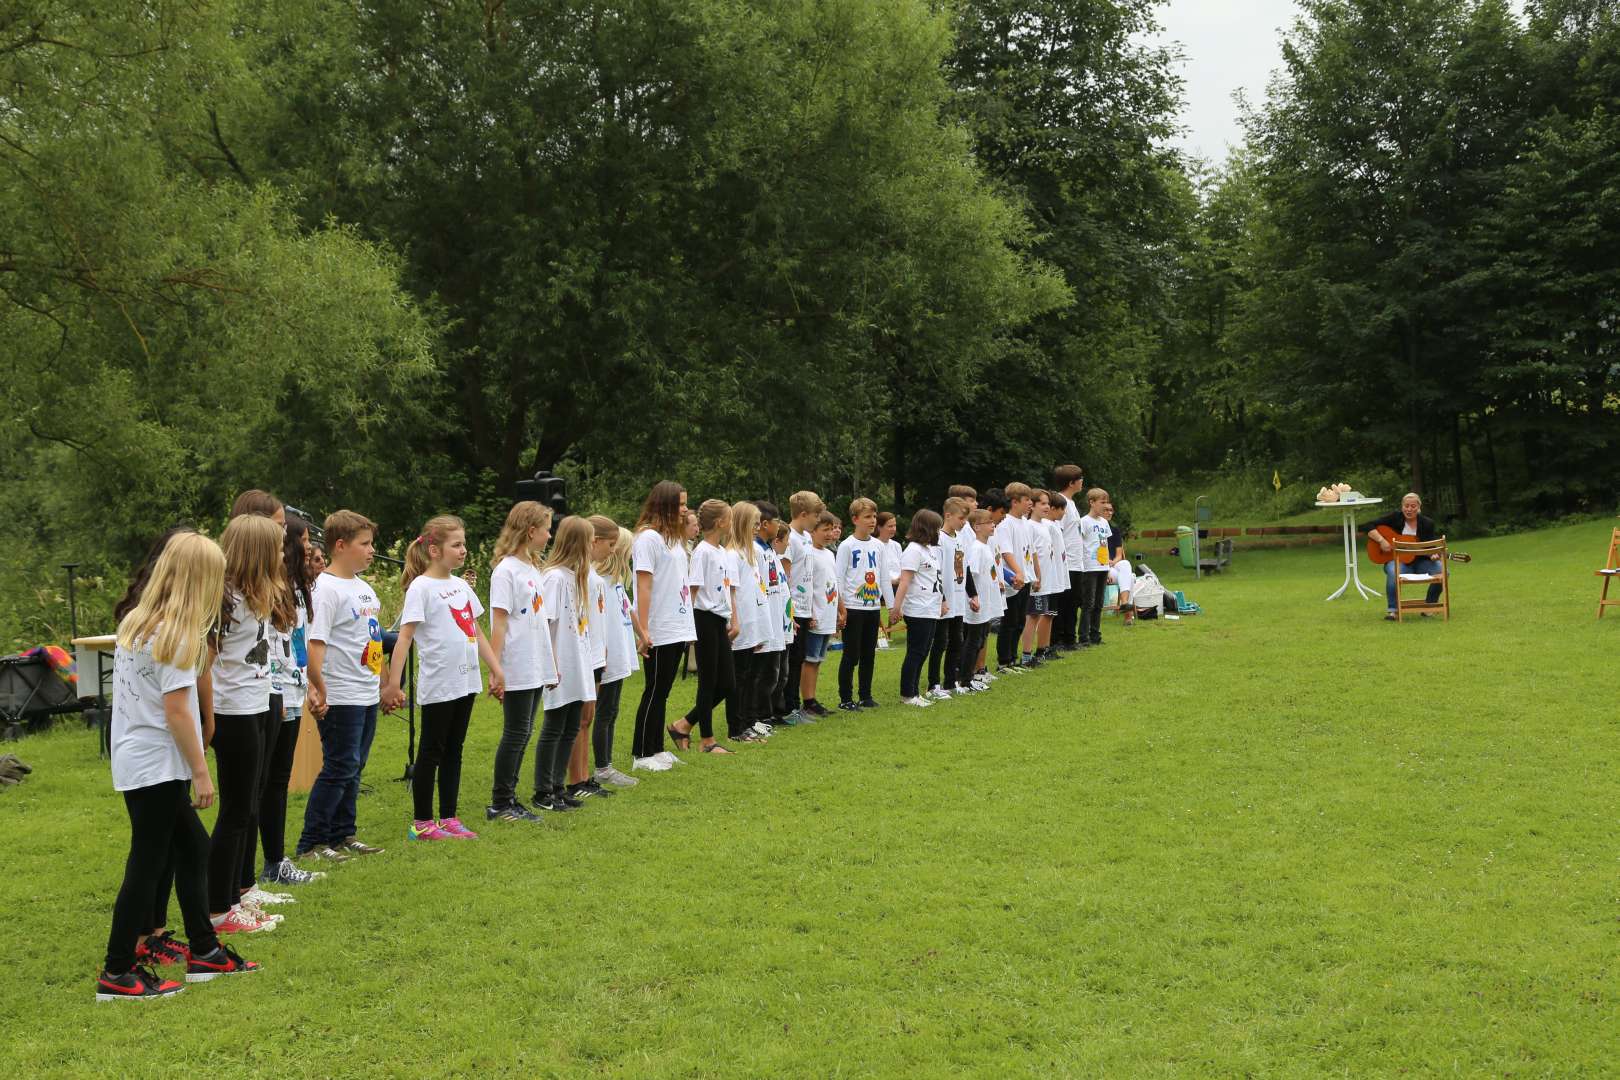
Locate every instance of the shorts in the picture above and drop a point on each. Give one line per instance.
(815, 646)
(292, 712)
(1040, 605)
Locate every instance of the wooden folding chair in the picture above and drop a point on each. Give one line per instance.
(1423, 549)
(1610, 571)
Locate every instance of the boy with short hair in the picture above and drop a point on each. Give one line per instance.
(823, 609)
(946, 651)
(345, 668)
(996, 505)
(772, 657)
(1094, 533)
(1056, 575)
(863, 590)
(1017, 574)
(804, 507)
(1068, 480)
(984, 601)
(966, 493)
(1040, 557)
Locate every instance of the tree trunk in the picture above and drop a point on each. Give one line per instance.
(1490, 462)
(1414, 433)
(1457, 465)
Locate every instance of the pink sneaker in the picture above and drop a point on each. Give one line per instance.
(426, 830)
(455, 828)
(239, 921)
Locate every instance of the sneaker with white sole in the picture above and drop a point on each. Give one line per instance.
(938, 693)
(962, 691)
(607, 774)
(649, 764)
(668, 758)
(260, 898)
(919, 701)
(240, 921)
(259, 913)
(762, 729)
(285, 873)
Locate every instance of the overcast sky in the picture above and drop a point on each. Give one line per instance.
(1230, 45)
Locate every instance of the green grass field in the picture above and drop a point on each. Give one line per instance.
(1280, 838)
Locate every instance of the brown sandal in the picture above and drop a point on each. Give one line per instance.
(716, 748)
(682, 742)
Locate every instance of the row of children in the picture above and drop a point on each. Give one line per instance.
(227, 644)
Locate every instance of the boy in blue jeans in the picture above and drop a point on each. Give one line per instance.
(345, 682)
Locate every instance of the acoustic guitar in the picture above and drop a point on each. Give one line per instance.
(1376, 552)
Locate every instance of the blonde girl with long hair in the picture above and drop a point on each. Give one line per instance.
(159, 765)
(746, 657)
(604, 535)
(520, 636)
(440, 616)
(714, 600)
(565, 588)
(663, 611)
(256, 600)
(624, 646)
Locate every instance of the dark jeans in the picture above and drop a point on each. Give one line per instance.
(772, 676)
(919, 639)
(517, 709)
(346, 734)
(795, 661)
(1067, 615)
(438, 756)
(860, 647)
(717, 671)
(607, 715)
(663, 664)
(164, 832)
(280, 744)
(946, 653)
(740, 705)
(559, 728)
(973, 639)
(777, 705)
(1012, 627)
(238, 778)
(1093, 583)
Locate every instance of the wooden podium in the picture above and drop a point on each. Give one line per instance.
(306, 755)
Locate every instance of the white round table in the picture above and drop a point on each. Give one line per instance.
(1352, 572)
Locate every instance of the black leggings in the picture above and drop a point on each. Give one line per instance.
(1068, 612)
(438, 756)
(282, 742)
(1093, 583)
(271, 736)
(607, 715)
(740, 705)
(1012, 627)
(164, 831)
(663, 663)
(517, 710)
(790, 700)
(717, 674)
(238, 772)
(974, 636)
(860, 647)
(920, 635)
(558, 729)
(947, 653)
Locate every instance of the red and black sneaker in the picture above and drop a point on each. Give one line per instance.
(163, 948)
(136, 984)
(222, 961)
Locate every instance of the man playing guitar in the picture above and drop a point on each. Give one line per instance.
(1408, 521)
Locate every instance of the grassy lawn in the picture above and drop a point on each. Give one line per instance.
(1280, 838)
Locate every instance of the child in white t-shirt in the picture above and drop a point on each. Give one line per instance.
(887, 526)
(714, 601)
(566, 588)
(663, 611)
(440, 617)
(1055, 577)
(752, 620)
(605, 533)
(623, 659)
(823, 611)
(159, 766)
(520, 635)
(946, 652)
(920, 600)
(863, 591)
(985, 602)
(804, 508)
(1094, 562)
(773, 650)
(345, 665)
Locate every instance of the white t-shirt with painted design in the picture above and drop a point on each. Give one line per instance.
(1094, 533)
(862, 581)
(1041, 547)
(570, 640)
(622, 658)
(445, 613)
(242, 669)
(1009, 541)
(751, 610)
(669, 616)
(1071, 535)
(346, 614)
(981, 564)
(891, 563)
(526, 658)
(289, 657)
(823, 604)
(953, 571)
(773, 583)
(801, 570)
(710, 579)
(144, 752)
(926, 593)
(596, 618)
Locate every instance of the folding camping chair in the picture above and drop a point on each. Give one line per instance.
(31, 693)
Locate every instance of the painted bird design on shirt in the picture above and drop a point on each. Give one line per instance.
(464, 619)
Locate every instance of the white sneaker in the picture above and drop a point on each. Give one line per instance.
(962, 691)
(257, 913)
(919, 701)
(668, 758)
(259, 897)
(607, 774)
(978, 686)
(938, 693)
(986, 676)
(649, 764)
(763, 729)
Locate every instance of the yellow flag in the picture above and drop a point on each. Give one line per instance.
(1276, 481)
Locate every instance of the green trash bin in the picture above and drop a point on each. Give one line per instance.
(1184, 541)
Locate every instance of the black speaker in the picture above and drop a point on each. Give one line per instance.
(547, 490)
